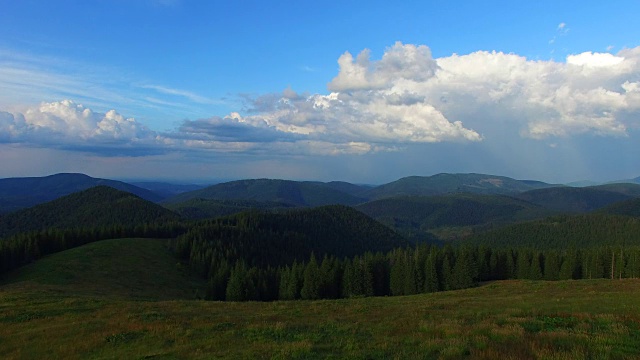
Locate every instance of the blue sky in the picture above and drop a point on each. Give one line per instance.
(351, 90)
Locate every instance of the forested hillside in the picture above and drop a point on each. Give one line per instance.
(280, 238)
(205, 208)
(629, 208)
(417, 216)
(631, 189)
(97, 207)
(562, 232)
(452, 183)
(268, 190)
(576, 200)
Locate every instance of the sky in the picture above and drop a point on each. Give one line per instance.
(359, 91)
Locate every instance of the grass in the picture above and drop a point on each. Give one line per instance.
(515, 319)
(126, 268)
(58, 317)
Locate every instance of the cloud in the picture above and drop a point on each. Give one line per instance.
(27, 79)
(71, 126)
(591, 59)
(400, 62)
(561, 30)
(182, 93)
(406, 97)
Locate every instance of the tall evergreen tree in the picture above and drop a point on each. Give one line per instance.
(431, 272)
(312, 280)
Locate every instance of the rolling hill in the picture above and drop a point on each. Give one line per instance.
(418, 216)
(19, 193)
(166, 190)
(452, 183)
(268, 190)
(577, 200)
(629, 207)
(630, 189)
(100, 206)
(273, 239)
(564, 232)
(203, 208)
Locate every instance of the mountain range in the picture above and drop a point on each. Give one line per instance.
(19, 193)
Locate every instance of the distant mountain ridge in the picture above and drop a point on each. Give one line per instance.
(166, 190)
(441, 184)
(273, 190)
(19, 193)
(580, 200)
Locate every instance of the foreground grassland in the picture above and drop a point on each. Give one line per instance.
(48, 315)
(518, 320)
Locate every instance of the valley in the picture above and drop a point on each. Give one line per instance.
(449, 266)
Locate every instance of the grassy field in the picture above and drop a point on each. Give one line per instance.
(44, 314)
(120, 268)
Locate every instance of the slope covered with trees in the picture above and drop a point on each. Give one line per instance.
(268, 190)
(561, 232)
(575, 200)
(631, 189)
(205, 208)
(101, 206)
(452, 183)
(628, 207)
(263, 239)
(416, 216)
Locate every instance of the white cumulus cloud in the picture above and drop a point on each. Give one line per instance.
(68, 125)
(405, 97)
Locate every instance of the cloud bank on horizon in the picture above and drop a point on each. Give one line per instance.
(406, 97)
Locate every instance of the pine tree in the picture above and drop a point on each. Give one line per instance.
(551, 266)
(431, 272)
(535, 271)
(463, 271)
(347, 279)
(523, 265)
(398, 272)
(446, 276)
(240, 286)
(312, 280)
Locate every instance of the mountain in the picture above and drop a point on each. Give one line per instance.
(204, 208)
(167, 190)
(629, 207)
(19, 193)
(280, 191)
(452, 183)
(633, 181)
(576, 200)
(417, 216)
(100, 206)
(629, 189)
(582, 183)
(273, 239)
(564, 232)
(347, 188)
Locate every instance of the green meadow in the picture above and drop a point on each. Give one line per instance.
(128, 298)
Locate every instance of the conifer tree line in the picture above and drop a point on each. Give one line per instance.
(23, 248)
(403, 271)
